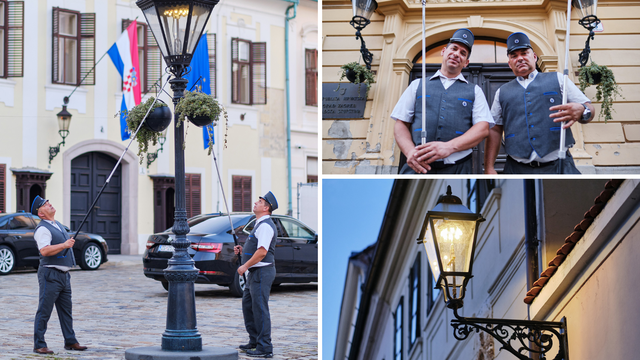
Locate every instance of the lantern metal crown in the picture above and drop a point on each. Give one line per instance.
(362, 11)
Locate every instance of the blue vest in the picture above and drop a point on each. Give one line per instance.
(251, 245)
(64, 257)
(525, 114)
(449, 111)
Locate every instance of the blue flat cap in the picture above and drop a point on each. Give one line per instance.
(464, 37)
(517, 41)
(37, 202)
(271, 200)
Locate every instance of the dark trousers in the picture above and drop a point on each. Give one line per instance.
(514, 167)
(462, 166)
(255, 307)
(55, 288)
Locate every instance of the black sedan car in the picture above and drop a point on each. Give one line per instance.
(212, 250)
(18, 248)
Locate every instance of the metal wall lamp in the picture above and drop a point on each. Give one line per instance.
(449, 233)
(362, 11)
(589, 21)
(151, 157)
(64, 119)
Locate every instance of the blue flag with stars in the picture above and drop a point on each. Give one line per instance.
(199, 76)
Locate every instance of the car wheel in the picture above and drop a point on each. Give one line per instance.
(91, 257)
(7, 260)
(237, 286)
(165, 285)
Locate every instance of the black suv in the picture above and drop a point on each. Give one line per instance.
(212, 250)
(18, 248)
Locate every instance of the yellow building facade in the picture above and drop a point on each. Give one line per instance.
(366, 145)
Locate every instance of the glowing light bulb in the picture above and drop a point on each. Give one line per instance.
(446, 257)
(458, 233)
(177, 13)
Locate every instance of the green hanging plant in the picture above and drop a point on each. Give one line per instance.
(357, 74)
(607, 88)
(201, 109)
(144, 135)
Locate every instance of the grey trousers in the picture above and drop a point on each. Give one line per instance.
(514, 167)
(55, 289)
(255, 307)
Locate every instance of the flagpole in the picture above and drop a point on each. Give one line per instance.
(94, 66)
(562, 151)
(424, 79)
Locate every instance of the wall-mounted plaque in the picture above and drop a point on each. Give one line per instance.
(346, 103)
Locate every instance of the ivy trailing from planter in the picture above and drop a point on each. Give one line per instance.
(607, 88)
(201, 109)
(156, 122)
(357, 74)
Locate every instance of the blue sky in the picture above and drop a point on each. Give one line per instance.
(352, 212)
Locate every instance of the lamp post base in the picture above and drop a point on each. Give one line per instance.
(156, 353)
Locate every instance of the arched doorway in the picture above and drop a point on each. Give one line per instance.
(487, 68)
(89, 173)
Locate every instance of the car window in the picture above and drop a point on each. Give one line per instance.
(36, 219)
(4, 221)
(295, 229)
(215, 225)
(21, 222)
(249, 228)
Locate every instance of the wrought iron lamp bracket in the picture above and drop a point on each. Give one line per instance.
(589, 22)
(54, 150)
(535, 337)
(359, 23)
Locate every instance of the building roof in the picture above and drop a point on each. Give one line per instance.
(570, 241)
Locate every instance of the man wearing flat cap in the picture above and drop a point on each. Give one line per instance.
(258, 258)
(529, 111)
(457, 115)
(56, 259)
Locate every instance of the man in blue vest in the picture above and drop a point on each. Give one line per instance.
(56, 259)
(457, 115)
(258, 257)
(529, 110)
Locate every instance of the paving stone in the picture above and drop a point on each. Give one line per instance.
(116, 308)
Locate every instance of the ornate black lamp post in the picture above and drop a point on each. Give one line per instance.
(449, 235)
(362, 11)
(177, 26)
(589, 21)
(64, 120)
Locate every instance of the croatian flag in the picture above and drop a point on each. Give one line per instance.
(124, 55)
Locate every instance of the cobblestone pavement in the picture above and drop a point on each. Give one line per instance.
(116, 308)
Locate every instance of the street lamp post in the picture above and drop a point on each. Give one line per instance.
(362, 11)
(588, 21)
(64, 120)
(449, 233)
(177, 26)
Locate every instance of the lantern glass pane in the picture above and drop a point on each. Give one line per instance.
(586, 7)
(199, 17)
(364, 8)
(455, 241)
(173, 19)
(154, 23)
(430, 248)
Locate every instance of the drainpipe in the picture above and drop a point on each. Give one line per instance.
(286, 61)
(530, 228)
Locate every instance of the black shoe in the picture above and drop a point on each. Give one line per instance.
(246, 347)
(257, 353)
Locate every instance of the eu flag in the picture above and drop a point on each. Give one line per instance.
(199, 76)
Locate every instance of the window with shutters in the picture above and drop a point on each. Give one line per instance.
(211, 42)
(311, 76)
(149, 56)
(73, 47)
(193, 195)
(397, 334)
(11, 38)
(242, 193)
(414, 301)
(248, 72)
(312, 169)
(3, 186)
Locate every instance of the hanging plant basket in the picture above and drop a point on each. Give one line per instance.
(357, 74)
(159, 119)
(607, 88)
(200, 120)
